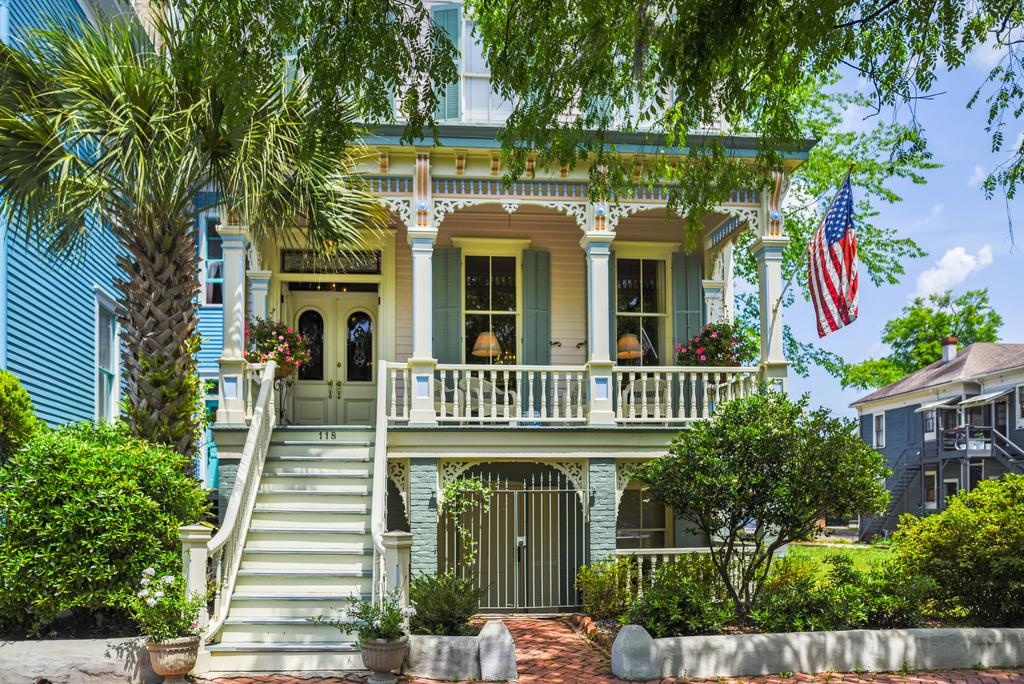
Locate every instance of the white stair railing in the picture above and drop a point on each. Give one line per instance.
(378, 499)
(225, 549)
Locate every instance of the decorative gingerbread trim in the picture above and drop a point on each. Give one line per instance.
(398, 473)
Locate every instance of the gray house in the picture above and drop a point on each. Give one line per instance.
(946, 427)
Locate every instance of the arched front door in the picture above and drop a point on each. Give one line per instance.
(338, 385)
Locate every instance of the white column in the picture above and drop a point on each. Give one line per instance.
(714, 300)
(397, 555)
(194, 555)
(235, 239)
(768, 253)
(422, 363)
(259, 290)
(597, 245)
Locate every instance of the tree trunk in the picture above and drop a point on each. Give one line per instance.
(158, 308)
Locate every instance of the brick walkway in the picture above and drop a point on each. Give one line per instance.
(550, 652)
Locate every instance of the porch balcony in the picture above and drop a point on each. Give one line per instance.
(530, 396)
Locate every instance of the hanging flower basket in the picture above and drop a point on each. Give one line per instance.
(718, 344)
(275, 341)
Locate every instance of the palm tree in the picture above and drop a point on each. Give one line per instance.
(98, 129)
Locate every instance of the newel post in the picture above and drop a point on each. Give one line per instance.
(397, 560)
(194, 557)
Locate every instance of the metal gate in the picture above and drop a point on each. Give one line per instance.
(529, 544)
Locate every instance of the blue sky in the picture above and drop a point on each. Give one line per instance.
(967, 237)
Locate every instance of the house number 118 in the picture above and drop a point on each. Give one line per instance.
(329, 435)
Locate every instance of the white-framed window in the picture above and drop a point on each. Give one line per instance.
(1019, 395)
(950, 488)
(931, 489)
(212, 255)
(879, 426)
(491, 300)
(928, 418)
(107, 359)
(641, 523)
(641, 314)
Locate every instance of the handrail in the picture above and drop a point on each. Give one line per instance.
(378, 501)
(225, 549)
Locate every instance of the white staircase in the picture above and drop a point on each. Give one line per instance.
(307, 550)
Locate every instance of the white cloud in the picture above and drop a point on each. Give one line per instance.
(937, 209)
(978, 175)
(987, 55)
(952, 269)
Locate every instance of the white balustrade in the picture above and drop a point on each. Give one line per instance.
(397, 394)
(466, 394)
(225, 549)
(518, 395)
(648, 561)
(672, 394)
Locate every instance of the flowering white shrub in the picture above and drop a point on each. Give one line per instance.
(163, 609)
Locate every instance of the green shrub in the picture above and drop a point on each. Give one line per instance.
(974, 550)
(87, 508)
(607, 586)
(685, 597)
(797, 598)
(444, 604)
(17, 419)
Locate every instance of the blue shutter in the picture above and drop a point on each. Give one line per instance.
(687, 314)
(449, 18)
(447, 294)
(687, 297)
(536, 308)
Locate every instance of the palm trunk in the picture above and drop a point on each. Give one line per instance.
(158, 317)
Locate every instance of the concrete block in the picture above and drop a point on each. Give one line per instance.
(635, 655)
(497, 653)
(76, 661)
(842, 651)
(442, 657)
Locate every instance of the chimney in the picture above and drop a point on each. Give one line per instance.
(949, 349)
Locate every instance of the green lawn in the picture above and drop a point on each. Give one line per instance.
(863, 555)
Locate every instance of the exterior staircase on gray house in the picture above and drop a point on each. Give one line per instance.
(904, 471)
(307, 550)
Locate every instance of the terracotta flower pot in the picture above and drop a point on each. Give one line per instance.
(174, 658)
(381, 656)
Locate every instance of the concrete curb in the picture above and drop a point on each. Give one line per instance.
(76, 661)
(585, 624)
(635, 653)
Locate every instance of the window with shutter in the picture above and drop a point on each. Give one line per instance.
(449, 18)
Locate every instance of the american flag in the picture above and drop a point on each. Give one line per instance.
(832, 265)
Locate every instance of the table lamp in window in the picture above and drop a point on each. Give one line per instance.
(629, 347)
(486, 345)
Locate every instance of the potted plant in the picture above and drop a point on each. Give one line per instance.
(169, 618)
(718, 344)
(267, 340)
(382, 631)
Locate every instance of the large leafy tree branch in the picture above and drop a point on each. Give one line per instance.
(915, 337)
(882, 249)
(577, 69)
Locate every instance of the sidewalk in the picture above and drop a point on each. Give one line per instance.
(550, 652)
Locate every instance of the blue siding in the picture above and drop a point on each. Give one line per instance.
(49, 323)
(211, 329)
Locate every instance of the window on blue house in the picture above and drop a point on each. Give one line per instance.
(213, 263)
(106, 361)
